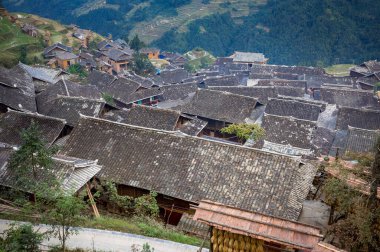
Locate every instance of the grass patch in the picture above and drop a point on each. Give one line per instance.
(339, 70)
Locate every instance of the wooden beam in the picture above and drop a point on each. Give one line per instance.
(92, 201)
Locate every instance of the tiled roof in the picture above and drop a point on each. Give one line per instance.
(192, 168)
(268, 228)
(248, 57)
(98, 78)
(66, 88)
(70, 108)
(72, 173)
(289, 131)
(260, 93)
(150, 117)
(349, 97)
(65, 55)
(117, 55)
(173, 76)
(361, 140)
(283, 83)
(42, 73)
(178, 91)
(143, 81)
(141, 95)
(193, 127)
(358, 118)
(17, 89)
(291, 91)
(299, 70)
(13, 122)
(293, 108)
(221, 106)
(48, 49)
(322, 141)
(372, 66)
(228, 80)
(120, 89)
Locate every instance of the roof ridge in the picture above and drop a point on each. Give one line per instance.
(357, 128)
(36, 114)
(59, 96)
(291, 117)
(173, 133)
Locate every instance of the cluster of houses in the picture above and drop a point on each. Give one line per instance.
(162, 133)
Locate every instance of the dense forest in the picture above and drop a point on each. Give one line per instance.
(314, 32)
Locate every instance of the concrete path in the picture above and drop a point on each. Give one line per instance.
(104, 240)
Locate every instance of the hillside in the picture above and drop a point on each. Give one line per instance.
(13, 41)
(315, 32)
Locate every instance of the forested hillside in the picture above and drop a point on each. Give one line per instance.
(313, 32)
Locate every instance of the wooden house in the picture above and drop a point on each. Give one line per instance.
(152, 53)
(118, 59)
(235, 229)
(221, 109)
(29, 29)
(51, 51)
(183, 169)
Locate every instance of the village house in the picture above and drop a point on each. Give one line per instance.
(29, 29)
(83, 35)
(202, 168)
(63, 60)
(361, 140)
(43, 77)
(151, 53)
(118, 59)
(72, 173)
(171, 76)
(16, 90)
(358, 118)
(226, 80)
(221, 109)
(106, 45)
(87, 61)
(51, 51)
(175, 59)
(249, 58)
(261, 93)
(236, 229)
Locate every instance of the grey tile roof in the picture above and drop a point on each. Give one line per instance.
(13, 122)
(192, 168)
(227, 80)
(322, 141)
(120, 89)
(178, 91)
(173, 76)
(47, 50)
(299, 70)
(372, 66)
(42, 73)
(361, 140)
(141, 95)
(289, 131)
(291, 91)
(65, 55)
(296, 109)
(193, 127)
(358, 118)
(149, 117)
(67, 88)
(118, 55)
(70, 108)
(249, 57)
(221, 106)
(283, 83)
(260, 93)
(98, 78)
(349, 97)
(143, 81)
(72, 173)
(17, 89)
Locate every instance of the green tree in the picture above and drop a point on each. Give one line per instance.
(22, 239)
(146, 205)
(141, 65)
(77, 70)
(136, 44)
(190, 67)
(33, 159)
(23, 55)
(245, 131)
(65, 214)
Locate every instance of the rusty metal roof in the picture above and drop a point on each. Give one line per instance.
(259, 226)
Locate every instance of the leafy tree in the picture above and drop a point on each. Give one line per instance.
(65, 214)
(23, 54)
(136, 44)
(146, 205)
(245, 131)
(77, 70)
(33, 159)
(22, 239)
(108, 98)
(141, 65)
